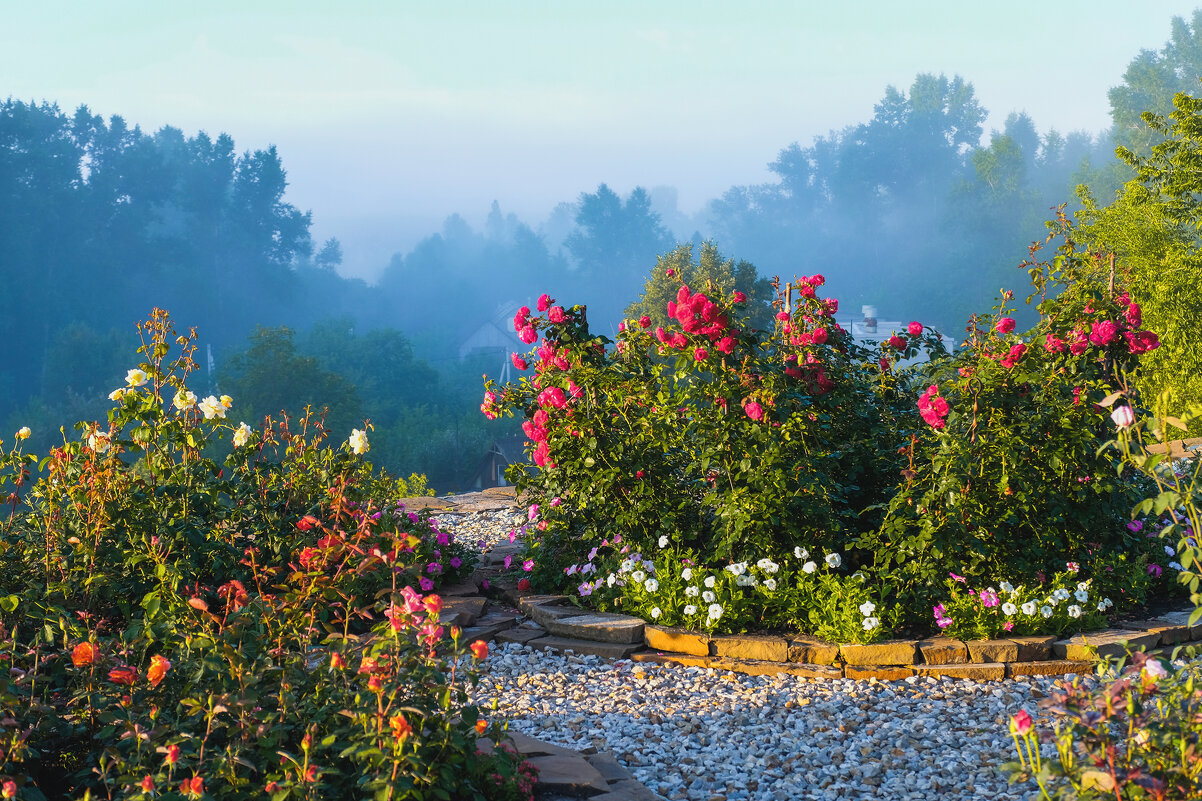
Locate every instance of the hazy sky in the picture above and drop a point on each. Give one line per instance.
(390, 115)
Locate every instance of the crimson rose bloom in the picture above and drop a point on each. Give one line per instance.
(915, 329)
(897, 343)
(1005, 325)
(754, 411)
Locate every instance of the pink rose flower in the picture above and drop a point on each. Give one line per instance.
(915, 329)
(544, 301)
(1005, 325)
(754, 410)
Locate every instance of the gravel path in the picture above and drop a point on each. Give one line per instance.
(706, 735)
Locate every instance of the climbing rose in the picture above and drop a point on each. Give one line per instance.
(211, 407)
(754, 410)
(1123, 416)
(518, 361)
(1005, 325)
(528, 335)
(556, 315)
(135, 377)
(241, 435)
(479, 649)
(1104, 332)
(544, 302)
(915, 329)
(897, 343)
(358, 442)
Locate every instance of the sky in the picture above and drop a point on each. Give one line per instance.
(391, 115)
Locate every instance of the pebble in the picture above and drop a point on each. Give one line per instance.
(699, 734)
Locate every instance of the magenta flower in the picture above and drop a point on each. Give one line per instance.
(592, 554)
(1155, 570)
(425, 584)
(1007, 626)
(528, 565)
(456, 561)
(1005, 325)
(1135, 526)
(957, 578)
(434, 568)
(544, 301)
(915, 329)
(754, 410)
(989, 598)
(508, 561)
(1073, 567)
(532, 512)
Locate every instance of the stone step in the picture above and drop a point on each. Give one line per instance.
(1108, 642)
(520, 636)
(597, 627)
(605, 650)
(461, 611)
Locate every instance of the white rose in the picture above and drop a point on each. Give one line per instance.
(184, 400)
(98, 441)
(211, 407)
(135, 377)
(358, 442)
(117, 394)
(241, 435)
(23, 432)
(1123, 416)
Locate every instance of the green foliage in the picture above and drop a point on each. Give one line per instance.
(1153, 227)
(249, 627)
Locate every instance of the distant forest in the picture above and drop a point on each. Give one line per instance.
(915, 211)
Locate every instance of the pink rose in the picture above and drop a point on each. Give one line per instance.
(1104, 332)
(644, 322)
(897, 343)
(556, 315)
(754, 410)
(528, 335)
(544, 301)
(518, 361)
(1005, 325)
(915, 329)
(699, 354)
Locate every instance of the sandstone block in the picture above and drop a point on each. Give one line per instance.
(605, 650)
(677, 640)
(1056, 667)
(751, 646)
(879, 672)
(1034, 649)
(992, 651)
(569, 775)
(812, 651)
(943, 651)
(890, 652)
(975, 671)
(1108, 642)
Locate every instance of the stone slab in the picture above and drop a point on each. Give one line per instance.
(661, 658)
(750, 646)
(813, 651)
(609, 767)
(544, 613)
(520, 636)
(879, 672)
(1053, 667)
(976, 671)
(992, 651)
(529, 746)
(463, 588)
(605, 650)
(1171, 633)
(570, 775)
(1108, 642)
(890, 652)
(1181, 618)
(467, 610)
(629, 790)
(943, 651)
(598, 627)
(1034, 649)
(676, 640)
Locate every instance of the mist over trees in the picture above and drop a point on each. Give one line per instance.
(918, 211)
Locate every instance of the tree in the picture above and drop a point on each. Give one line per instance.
(709, 274)
(330, 255)
(1153, 228)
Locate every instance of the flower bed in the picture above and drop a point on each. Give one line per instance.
(199, 609)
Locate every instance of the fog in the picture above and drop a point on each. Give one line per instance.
(923, 207)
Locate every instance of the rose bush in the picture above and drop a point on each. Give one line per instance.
(742, 444)
(266, 625)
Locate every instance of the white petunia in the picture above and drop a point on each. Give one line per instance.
(1109, 603)
(870, 623)
(241, 435)
(687, 574)
(651, 585)
(708, 596)
(1101, 606)
(612, 580)
(801, 553)
(833, 560)
(1074, 611)
(656, 612)
(1008, 609)
(1060, 594)
(1046, 611)
(1083, 585)
(358, 442)
(691, 591)
(1007, 587)
(1028, 608)
(809, 567)
(626, 566)
(690, 610)
(663, 541)
(709, 582)
(737, 569)
(715, 611)
(767, 565)
(638, 576)
(1081, 595)
(770, 583)
(745, 581)
(867, 608)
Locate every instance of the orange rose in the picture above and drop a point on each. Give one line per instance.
(479, 649)
(433, 604)
(158, 669)
(84, 654)
(400, 727)
(481, 726)
(124, 675)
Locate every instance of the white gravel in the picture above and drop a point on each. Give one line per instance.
(710, 735)
(698, 733)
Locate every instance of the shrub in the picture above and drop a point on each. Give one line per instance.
(252, 627)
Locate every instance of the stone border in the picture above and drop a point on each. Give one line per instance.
(557, 625)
